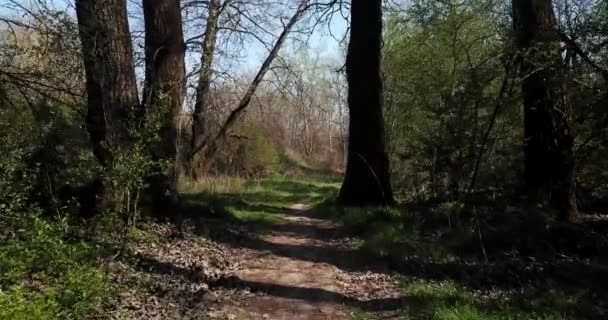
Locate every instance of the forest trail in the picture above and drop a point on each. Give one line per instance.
(303, 268)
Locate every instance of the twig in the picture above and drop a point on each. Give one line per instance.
(499, 104)
(479, 235)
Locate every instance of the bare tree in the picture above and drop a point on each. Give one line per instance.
(204, 152)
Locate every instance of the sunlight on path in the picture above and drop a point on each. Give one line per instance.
(293, 274)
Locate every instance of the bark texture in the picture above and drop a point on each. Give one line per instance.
(110, 76)
(164, 87)
(108, 62)
(367, 179)
(201, 107)
(549, 139)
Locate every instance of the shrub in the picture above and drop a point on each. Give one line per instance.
(45, 276)
(249, 151)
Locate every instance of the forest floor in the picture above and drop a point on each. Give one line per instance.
(273, 249)
(302, 268)
(265, 253)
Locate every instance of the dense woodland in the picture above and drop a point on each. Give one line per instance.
(460, 144)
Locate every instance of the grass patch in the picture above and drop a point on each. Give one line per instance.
(142, 235)
(443, 231)
(358, 314)
(446, 300)
(215, 184)
(298, 168)
(256, 217)
(260, 201)
(486, 261)
(389, 232)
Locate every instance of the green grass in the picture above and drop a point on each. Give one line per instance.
(296, 167)
(141, 234)
(392, 233)
(444, 231)
(358, 314)
(215, 184)
(445, 240)
(260, 218)
(260, 201)
(447, 300)
(441, 234)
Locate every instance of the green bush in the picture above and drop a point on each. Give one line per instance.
(15, 178)
(446, 300)
(45, 276)
(249, 151)
(436, 110)
(391, 232)
(260, 152)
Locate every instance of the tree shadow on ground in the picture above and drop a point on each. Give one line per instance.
(311, 294)
(305, 231)
(416, 304)
(272, 201)
(153, 266)
(505, 274)
(301, 189)
(274, 197)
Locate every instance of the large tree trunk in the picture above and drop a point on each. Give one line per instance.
(367, 180)
(548, 145)
(111, 86)
(201, 107)
(164, 88)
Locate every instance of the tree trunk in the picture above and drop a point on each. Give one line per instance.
(549, 140)
(110, 75)
(201, 107)
(164, 88)
(367, 180)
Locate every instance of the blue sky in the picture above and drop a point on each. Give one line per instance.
(324, 41)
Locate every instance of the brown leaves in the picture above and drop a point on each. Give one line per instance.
(170, 279)
(365, 286)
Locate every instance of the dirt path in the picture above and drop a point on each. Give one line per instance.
(303, 269)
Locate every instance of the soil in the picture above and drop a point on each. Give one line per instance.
(290, 273)
(302, 267)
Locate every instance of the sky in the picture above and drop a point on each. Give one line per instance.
(320, 42)
(324, 41)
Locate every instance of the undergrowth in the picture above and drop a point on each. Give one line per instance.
(44, 275)
(492, 263)
(447, 300)
(261, 201)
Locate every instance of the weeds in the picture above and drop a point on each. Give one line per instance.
(45, 276)
(214, 184)
(447, 300)
(262, 201)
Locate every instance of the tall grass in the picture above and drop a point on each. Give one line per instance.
(216, 184)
